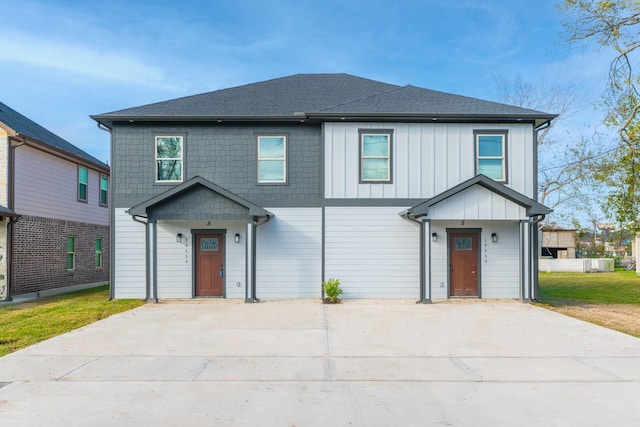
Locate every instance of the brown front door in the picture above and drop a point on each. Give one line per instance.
(463, 259)
(209, 265)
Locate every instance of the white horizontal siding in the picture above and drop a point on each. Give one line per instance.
(175, 260)
(427, 159)
(373, 251)
(289, 254)
(129, 279)
(477, 203)
(499, 262)
(47, 186)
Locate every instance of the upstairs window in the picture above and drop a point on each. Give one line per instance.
(272, 159)
(169, 158)
(83, 182)
(375, 156)
(491, 155)
(104, 190)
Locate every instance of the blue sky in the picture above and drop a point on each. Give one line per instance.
(61, 60)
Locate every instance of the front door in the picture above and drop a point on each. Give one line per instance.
(209, 265)
(463, 268)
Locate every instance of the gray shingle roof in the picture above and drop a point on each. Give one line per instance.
(318, 95)
(28, 127)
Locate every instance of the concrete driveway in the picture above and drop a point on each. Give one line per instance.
(301, 363)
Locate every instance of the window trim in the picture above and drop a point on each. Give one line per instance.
(285, 178)
(79, 183)
(98, 253)
(72, 253)
(156, 159)
(100, 190)
(504, 133)
(361, 134)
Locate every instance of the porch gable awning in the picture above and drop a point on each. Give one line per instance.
(6, 212)
(532, 207)
(198, 198)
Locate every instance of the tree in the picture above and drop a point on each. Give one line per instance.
(614, 24)
(563, 162)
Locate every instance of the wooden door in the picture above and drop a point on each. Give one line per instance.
(463, 259)
(209, 265)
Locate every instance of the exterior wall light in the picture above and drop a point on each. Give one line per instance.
(237, 238)
(179, 237)
(434, 237)
(494, 237)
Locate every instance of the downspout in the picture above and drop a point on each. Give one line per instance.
(423, 299)
(11, 200)
(533, 283)
(146, 256)
(254, 224)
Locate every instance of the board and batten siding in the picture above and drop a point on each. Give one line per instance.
(499, 262)
(289, 254)
(427, 159)
(129, 279)
(47, 186)
(175, 260)
(373, 251)
(477, 203)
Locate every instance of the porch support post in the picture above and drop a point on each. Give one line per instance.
(425, 261)
(154, 259)
(525, 262)
(249, 274)
(533, 294)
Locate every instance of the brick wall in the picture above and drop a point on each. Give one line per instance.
(40, 254)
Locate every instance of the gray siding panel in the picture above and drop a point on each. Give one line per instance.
(223, 154)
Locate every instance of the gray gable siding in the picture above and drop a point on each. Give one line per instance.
(223, 154)
(198, 203)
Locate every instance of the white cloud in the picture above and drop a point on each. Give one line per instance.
(78, 59)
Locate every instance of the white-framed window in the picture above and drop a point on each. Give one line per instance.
(98, 253)
(71, 253)
(491, 150)
(375, 156)
(169, 158)
(104, 190)
(272, 159)
(83, 183)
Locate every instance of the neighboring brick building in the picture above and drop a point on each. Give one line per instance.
(54, 204)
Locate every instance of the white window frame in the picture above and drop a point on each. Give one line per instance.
(283, 160)
(86, 185)
(98, 253)
(106, 190)
(389, 135)
(503, 157)
(157, 159)
(72, 253)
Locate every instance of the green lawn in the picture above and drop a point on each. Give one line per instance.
(619, 287)
(25, 324)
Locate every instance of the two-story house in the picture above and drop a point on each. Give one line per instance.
(54, 197)
(265, 190)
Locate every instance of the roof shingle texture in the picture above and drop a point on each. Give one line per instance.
(28, 127)
(320, 93)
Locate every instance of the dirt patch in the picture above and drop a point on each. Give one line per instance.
(620, 317)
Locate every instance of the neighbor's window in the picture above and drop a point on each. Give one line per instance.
(98, 253)
(491, 150)
(169, 158)
(272, 159)
(375, 156)
(71, 253)
(104, 190)
(83, 182)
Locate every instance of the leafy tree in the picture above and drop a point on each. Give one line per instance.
(614, 24)
(564, 163)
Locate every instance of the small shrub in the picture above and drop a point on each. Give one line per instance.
(332, 290)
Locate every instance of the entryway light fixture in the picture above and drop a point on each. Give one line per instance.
(179, 237)
(237, 238)
(494, 237)
(434, 237)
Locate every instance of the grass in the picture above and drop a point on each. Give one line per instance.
(25, 324)
(619, 287)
